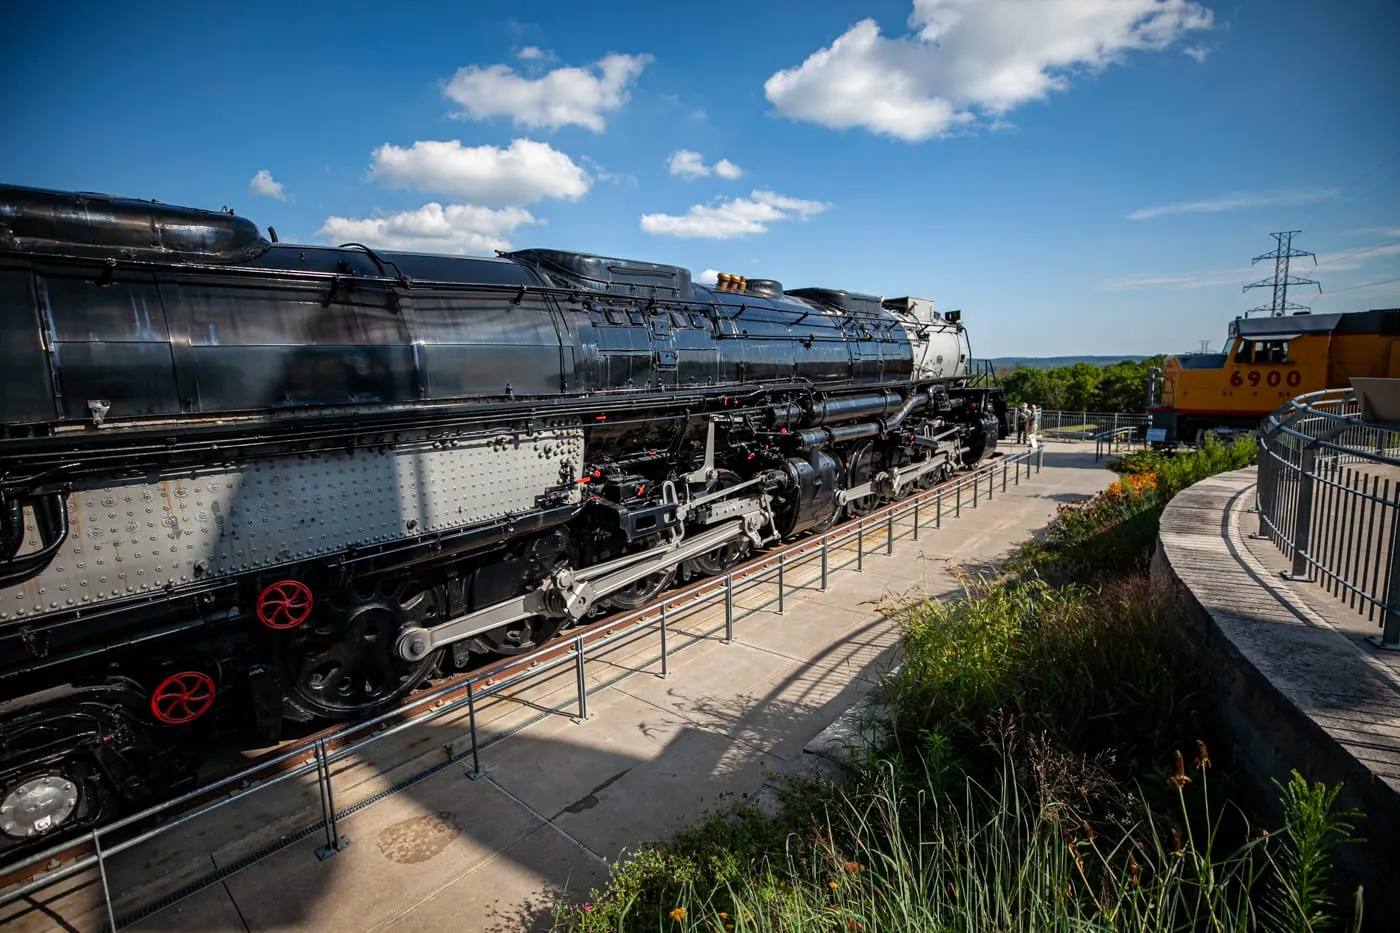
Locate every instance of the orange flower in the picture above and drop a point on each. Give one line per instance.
(832, 885)
(854, 867)
(678, 914)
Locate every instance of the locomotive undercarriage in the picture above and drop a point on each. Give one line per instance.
(341, 631)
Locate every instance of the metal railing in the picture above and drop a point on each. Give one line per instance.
(1082, 425)
(1114, 440)
(1328, 496)
(917, 513)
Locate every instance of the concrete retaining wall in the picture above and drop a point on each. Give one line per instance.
(1289, 694)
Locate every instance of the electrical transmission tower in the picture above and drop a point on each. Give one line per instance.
(1281, 280)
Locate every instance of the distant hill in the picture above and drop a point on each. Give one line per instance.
(1051, 362)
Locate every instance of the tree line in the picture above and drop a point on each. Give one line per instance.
(1120, 386)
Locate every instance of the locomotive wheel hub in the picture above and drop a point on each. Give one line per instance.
(40, 804)
(343, 664)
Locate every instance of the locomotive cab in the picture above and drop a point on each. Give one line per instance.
(1266, 362)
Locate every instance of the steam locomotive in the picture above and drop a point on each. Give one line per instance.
(244, 482)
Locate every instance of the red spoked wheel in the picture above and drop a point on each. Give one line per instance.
(182, 697)
(285, 604)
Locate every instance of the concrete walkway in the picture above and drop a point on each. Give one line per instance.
(561, 799)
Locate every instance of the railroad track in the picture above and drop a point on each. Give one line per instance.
(317, 752)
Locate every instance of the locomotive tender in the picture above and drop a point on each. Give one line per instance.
(243, 481)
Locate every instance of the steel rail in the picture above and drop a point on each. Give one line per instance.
(466, 690)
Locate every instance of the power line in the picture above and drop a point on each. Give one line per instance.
(1281, 256)
(1358, 252)
(1354, 288)
(1365, 175)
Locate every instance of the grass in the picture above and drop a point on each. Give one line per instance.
(1042, 763)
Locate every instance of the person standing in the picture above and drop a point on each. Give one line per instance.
(1023, 414)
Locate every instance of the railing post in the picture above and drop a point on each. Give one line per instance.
(860, 545)
(106, 890)
(957, 506)
(665, 663)
(975, 487)
(916, 518)
(1390, 615)
(728, 608)
(1302, 530)
(782, 566)
(475, 773)
(334, 840)
(582, 681)
(825, 549)
(1003, 477)
(889, 532)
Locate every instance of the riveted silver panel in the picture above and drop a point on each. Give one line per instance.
(129, 539)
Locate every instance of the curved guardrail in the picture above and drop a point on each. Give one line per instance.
(1328, 496)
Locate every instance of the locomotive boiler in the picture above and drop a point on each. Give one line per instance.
(243, 481)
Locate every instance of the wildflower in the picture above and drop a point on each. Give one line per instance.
(678, 914)
(1202, 756)
(1132, 870)
(723, 915)
(1179, 779)
(587, 907)
(1088, 830)
(832, 885)
(1176, 844)
(854, 867)
(853, 924)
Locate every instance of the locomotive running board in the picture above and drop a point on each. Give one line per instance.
(569, 593)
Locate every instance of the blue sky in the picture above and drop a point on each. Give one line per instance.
(1088, 176)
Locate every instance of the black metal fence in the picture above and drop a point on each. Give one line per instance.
(1329, 498)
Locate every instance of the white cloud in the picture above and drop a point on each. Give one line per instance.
(561, 97)
(602, 174)
(1237, 200)
(522, 173)
(708, 277)
(264, 185)
(691, 165)
(533, 53)
(726, 169)
(732, 217)
(1197, 52)
(970, 61)
(1206, 278)
(432, 228)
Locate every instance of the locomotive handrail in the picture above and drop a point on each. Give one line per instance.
(435, 703)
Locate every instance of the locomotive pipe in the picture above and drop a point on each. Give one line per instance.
(848, 408)
(915, 400)
(809, 438)
(51, 515)
(11, 528)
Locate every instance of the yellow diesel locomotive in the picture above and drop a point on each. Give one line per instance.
(1266, 362)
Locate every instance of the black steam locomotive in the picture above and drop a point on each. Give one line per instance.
(242, 481)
